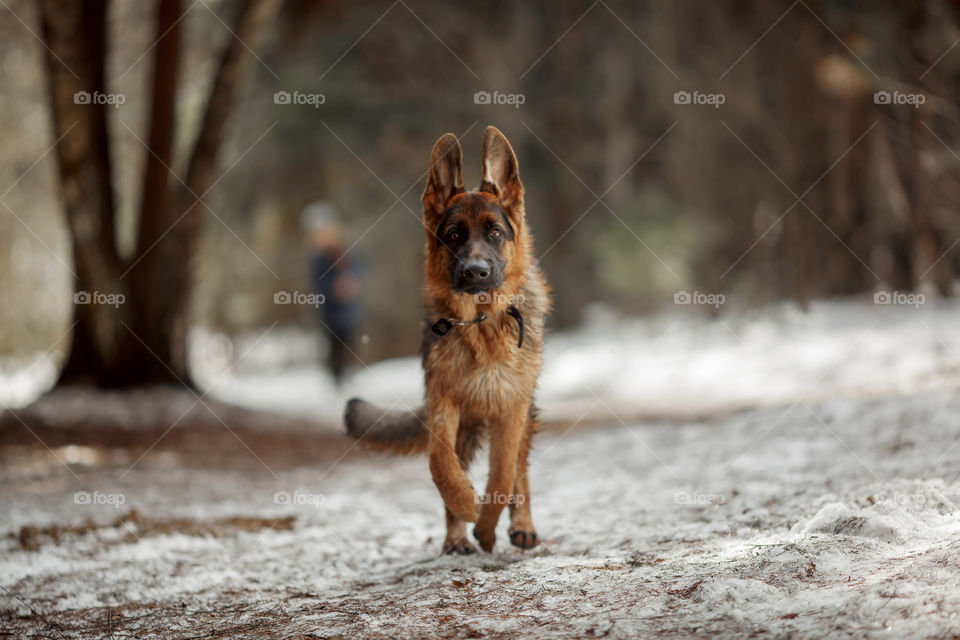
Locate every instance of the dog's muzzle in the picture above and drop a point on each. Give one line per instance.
(474, 276)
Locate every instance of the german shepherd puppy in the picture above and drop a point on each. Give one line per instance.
(485, 305)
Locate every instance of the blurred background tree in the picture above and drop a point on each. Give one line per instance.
(799, 185)
(142, 340)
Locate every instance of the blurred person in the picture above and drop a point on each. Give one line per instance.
(335, 275)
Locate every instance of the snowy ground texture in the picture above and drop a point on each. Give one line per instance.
(829, 508)
(671, 365)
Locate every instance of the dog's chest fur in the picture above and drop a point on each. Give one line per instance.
(482, 367)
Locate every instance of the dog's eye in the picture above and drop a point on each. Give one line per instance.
(495, 233)
(454, 236)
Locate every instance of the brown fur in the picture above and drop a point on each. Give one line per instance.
(478, 380)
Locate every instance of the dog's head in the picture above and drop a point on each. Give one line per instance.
(473, 236)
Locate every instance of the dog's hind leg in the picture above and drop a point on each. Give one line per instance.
(457, 542)
(522, 533)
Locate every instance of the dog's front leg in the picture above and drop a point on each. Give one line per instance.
(448, 474)
(504, 447)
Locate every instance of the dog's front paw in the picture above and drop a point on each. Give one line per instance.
(458, 547)
(523, 538)
(486, 536)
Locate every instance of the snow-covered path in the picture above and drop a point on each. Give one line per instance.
(839, 518)
(676, 364)
(679, 364)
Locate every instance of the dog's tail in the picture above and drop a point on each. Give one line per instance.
(395, 431)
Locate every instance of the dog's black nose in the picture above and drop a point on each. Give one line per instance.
(476, 270)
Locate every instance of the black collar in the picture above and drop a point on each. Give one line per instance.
(442, 326)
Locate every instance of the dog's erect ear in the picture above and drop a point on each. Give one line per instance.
(445, 176)
(501, 175)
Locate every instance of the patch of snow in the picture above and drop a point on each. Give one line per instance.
(836, 518)
(673, 365)
(670, 365)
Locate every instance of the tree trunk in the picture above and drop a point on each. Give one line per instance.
(162, 126)
(75, 37)
(141, 340)
(169, 236)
